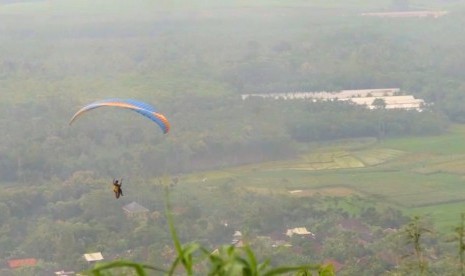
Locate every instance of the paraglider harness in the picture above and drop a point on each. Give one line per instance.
(117, 188)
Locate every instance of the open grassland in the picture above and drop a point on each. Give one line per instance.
(445, 216)
(449, 144)
(421, 175)
(324, 159)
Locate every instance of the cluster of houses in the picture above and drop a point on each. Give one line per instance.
(273, 240)
(131, 210)
(393, 98)
(283, 239)
(135, 209)
(276, 239)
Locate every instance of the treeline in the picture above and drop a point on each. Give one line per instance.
(247, 51)
(206, 133)
(55, 202)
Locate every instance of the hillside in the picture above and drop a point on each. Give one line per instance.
(262, 166)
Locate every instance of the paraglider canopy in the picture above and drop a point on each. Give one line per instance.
(142, 108)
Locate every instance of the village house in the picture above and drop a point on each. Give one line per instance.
(93, 257)
(16, 263)
(134, 209)
(237, 239)
(301, 231)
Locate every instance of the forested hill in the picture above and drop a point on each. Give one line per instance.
(193, 62)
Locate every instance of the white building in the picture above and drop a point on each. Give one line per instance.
(93, 257)
(366, 97)
(301, 231)
(403, 14)
(392, 102)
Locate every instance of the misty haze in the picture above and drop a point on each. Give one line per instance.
(278, 137)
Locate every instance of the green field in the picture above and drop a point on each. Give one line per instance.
(421, 175)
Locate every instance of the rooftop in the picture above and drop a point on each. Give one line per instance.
(298, 231)
(15, 263)
(134, 207)
(92, 257)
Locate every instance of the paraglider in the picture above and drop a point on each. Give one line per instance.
(140, 107)
(117, 188)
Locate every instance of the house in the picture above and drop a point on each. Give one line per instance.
(237, 234)
(93, 257)
(15, 263)
(134, 209)
(301, 231)
(390, 230)
(237, 239)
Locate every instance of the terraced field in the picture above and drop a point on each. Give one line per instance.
(426, 179)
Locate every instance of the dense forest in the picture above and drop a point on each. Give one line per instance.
(193, 62)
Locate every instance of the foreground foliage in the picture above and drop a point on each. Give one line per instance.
(227, 260)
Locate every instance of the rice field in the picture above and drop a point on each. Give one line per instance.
(421, 175)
